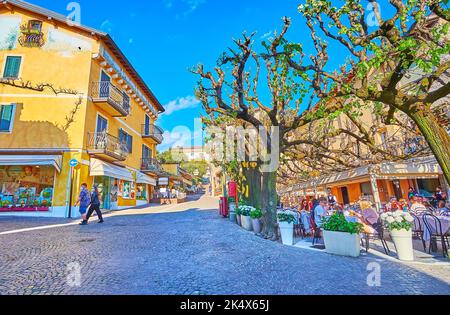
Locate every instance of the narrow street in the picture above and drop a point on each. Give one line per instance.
(185, 249)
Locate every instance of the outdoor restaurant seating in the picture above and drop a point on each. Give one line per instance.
(418, 230)
(436, 233)
(377, 235)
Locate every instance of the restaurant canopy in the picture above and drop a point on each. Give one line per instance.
(141, 178)
(100, 168)
(32, 160)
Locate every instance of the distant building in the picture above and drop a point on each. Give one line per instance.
(194, 153)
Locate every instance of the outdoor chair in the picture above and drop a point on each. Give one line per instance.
(299, 228)
(434, 227)
(316, 231)
(378, 235)
(418, 230)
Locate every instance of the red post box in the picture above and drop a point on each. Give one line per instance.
(223, 207)
(232, 189)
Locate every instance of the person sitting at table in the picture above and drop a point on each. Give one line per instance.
(369, 214)
(442, 208)
(417, 206)
(393, 205)
(304, 205)
(320, 211)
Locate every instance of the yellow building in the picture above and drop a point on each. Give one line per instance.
(67, 92)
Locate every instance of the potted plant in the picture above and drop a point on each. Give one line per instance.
(256, 215)
(286, 223)
(400, 225)
(238, 215)
(342, 237)
(245, 217)
(232, 208)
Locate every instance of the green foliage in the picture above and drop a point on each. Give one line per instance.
(286, 217)
(338, 223)
(256, 214)
(171, 156)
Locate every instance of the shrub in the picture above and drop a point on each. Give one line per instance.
(285, 217)
(338, 223)
(256, 214)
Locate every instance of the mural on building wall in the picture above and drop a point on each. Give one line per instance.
(68, 45)
(9, 32)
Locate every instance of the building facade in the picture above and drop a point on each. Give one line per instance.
(73, 110)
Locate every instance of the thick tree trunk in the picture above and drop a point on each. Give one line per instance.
(436, 136)
(269, 205)
(252, 186)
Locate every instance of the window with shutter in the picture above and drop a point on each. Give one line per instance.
(12, 67)
(6, 117)
(125, 137)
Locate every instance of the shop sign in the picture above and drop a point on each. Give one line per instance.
(163, 181)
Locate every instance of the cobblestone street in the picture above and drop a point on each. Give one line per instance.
(187, 249)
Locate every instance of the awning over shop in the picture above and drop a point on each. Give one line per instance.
(164, 181)
(144, 179)
(100, 168)
(187, 182)
(32, 160)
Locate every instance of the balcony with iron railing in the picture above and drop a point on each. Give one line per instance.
(151, 165)
(114, 101)
(104, 145)
(153, 132)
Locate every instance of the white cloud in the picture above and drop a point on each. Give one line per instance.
(181, 103)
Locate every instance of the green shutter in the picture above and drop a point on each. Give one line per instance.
(12, 67)
(6, 117)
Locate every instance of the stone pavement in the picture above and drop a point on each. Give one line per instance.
(187, 249)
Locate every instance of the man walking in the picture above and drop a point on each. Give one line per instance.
(83, 200)
(95, 205)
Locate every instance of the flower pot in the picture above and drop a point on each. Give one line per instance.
(287, 233)
(403, 244)
(239, 219)
(232, 212)
(256, 223)
(247, 223)
(342, 244)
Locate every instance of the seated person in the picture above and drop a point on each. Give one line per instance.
(417, 206)
(393, 205)
(443, 209)
(320, 211)
(368, 217)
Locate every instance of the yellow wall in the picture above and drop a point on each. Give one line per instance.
(40, 121)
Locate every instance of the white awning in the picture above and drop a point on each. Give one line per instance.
(164, 181)
(32, 160)
(100, 168)
(141, 178)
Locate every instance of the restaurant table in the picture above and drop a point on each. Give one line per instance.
(445, 222)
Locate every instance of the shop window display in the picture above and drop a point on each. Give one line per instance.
(26, 188)
(141, 192)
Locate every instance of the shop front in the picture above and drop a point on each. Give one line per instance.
(144, 188)
(116, 185)
(27, 183)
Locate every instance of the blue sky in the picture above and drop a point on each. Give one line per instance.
(163, 38)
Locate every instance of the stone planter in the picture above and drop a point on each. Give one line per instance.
(403, 244)
(232, 212)
(239, 219)
(247, 223)
(342, 244)
(256, 223)
(287, 233)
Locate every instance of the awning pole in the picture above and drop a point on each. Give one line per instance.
(376, 192)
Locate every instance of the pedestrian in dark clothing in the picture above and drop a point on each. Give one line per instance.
(95, 205)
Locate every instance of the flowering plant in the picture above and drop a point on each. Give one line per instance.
(398, 220)
(286, 216)
(246, 210)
